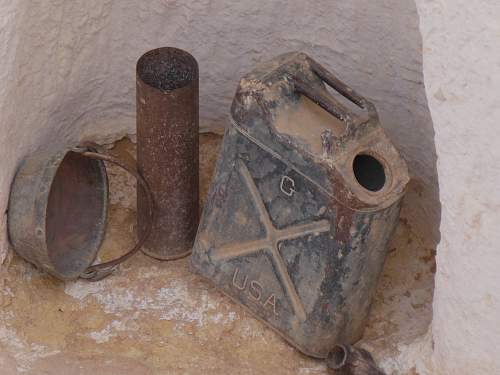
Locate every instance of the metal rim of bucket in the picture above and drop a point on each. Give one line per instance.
(58, 209)
(82, 199)
(44, 182)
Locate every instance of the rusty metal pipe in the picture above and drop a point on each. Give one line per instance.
(167, 149)
(349, 360)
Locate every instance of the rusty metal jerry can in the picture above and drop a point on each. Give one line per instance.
(304, 199)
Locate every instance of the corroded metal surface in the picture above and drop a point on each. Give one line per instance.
(57, 211)
(349, 360)
(99, 271)
(304, 200)
(167, 149)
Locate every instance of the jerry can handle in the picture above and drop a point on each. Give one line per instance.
(97, 272)
(327, 102)
(322, 99)
(337, 84)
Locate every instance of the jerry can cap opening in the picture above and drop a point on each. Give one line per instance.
(369, 172)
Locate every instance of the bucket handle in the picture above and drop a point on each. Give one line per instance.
(327, 102)
(98, 272)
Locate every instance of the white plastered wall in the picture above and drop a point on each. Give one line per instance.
(461, 57)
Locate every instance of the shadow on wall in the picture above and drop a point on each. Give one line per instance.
(75, 68)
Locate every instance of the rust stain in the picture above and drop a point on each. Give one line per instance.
(167, 149)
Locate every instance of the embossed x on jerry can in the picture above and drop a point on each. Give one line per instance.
(305, 197)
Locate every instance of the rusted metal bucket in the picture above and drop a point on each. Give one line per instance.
(57, 212)
(167, 149)
(304, 199)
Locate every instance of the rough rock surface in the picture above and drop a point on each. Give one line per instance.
(154, 317)
(462, 75)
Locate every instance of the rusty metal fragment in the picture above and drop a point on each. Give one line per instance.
(305, 197)
(349, 360)
(167, 149)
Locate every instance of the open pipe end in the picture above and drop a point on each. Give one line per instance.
(167, 68)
